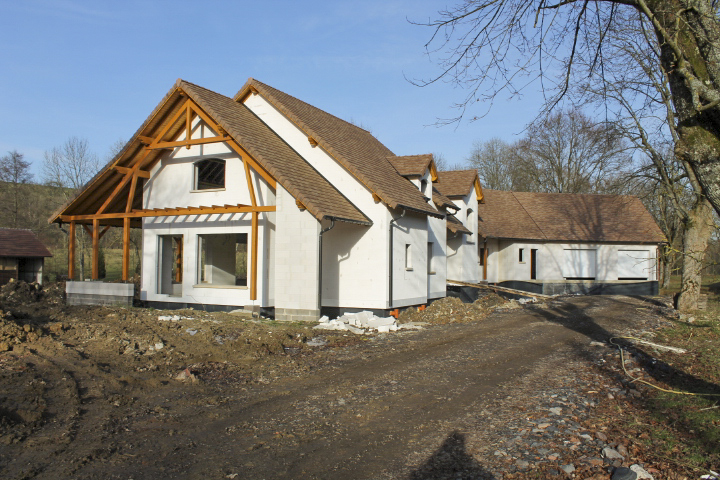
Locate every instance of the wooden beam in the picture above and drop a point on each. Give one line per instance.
(104, 231)
(254, 257)
(96, 249)
(181, 111)
(313, 142)
(188, 143)
(300, 205)
(71, 251)
(126, 249)
(145, 140)
(251, 188)
(128, 176)
(188, 126)
(169, 212)
(88, 230)
(140, 173)
(131, 194)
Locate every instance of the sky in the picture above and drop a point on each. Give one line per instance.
(97, 69)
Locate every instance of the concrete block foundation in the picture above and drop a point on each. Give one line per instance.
(99, 293)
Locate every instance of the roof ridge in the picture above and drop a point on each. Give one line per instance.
(253, 80)
(528, 214)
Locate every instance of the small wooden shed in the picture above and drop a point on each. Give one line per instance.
(22, 256)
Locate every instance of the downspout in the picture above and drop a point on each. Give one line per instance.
(320, 263)
(390, 295)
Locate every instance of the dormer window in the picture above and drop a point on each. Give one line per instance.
(210, 174)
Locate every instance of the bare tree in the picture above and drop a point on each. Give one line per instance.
(498, 165)
(638, 98)
(491, 46)
(15, 172)
(71, 166)
(568, 152)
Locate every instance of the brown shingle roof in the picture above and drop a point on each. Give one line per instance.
(455, 225)
(441, 200)
(297, 176)
(411, 165)
(456, 183)
(567, 217)
(354, 148)
(282, 162)
(20, 243)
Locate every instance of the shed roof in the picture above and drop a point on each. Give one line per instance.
(21, 243)
(567, 217)
(353, 147)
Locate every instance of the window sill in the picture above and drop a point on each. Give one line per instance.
(209, 285)
(208, 190)
(408, 269)
(432, 273)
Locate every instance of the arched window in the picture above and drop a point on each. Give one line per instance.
(209, 174)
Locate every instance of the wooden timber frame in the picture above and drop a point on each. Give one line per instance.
(186, 113)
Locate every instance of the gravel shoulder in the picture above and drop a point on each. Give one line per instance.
(507, 394)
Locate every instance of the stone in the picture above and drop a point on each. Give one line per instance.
(316, 342)
(555, 410)
(623, 473)
(383, 329)
(570, 468)
(186, 375)
(159, 345)
(191, 331)
(601, 436)
(522, 464)
(641, 473)
(324, 319)
(622, 450)
(612, 454)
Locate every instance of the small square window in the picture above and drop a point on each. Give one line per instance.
(209, 174)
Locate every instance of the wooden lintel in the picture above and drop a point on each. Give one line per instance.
(189, 143)
(140, 173)
(312, 141)
(169, 212)
(300, 205)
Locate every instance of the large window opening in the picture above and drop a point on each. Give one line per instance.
(209, 174)
(223, 259)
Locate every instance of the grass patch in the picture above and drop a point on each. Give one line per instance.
(686, 428)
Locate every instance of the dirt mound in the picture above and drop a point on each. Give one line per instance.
(453, 310)
(23, 293)
(14, 333)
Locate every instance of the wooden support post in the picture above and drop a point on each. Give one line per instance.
(126, 250)
(254, 255)
(96, 249)
(71, 251)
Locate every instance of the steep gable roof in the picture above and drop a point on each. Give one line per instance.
(354, 148)
(297, 176)
(21, 243)
(458, 183)
(567, 217)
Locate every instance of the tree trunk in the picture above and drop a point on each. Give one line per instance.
(666, 270)
(695, 84)
(698, 228)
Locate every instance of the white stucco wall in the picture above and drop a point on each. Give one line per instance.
(463, 261)
(296, 255)
(171, 185)
(556, 261)
(356, 258)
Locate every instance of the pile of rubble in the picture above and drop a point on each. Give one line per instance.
(365, 322)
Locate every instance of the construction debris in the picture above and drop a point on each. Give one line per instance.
(361, 323)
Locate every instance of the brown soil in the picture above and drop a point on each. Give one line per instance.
(99, 392)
